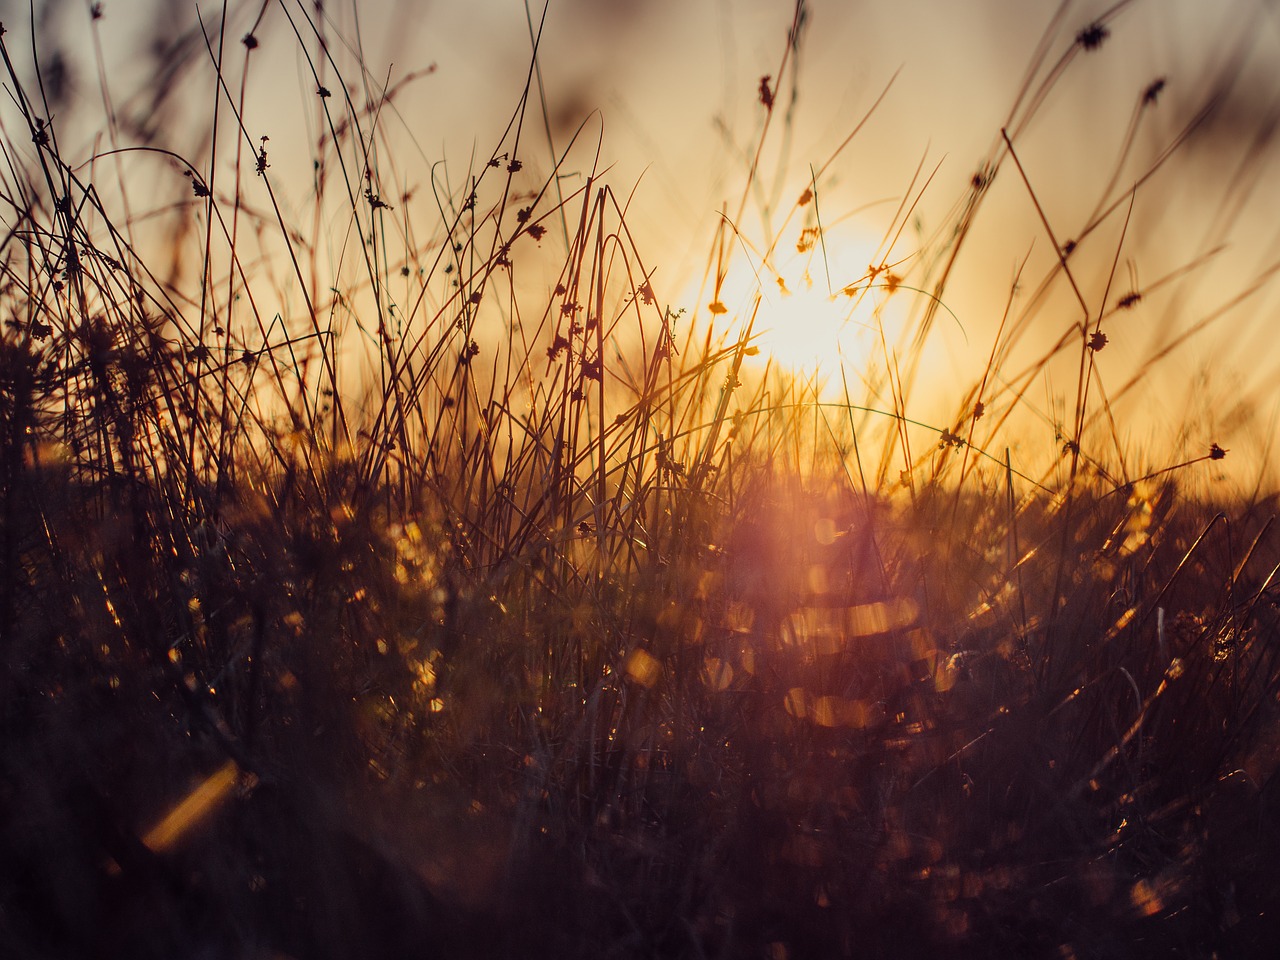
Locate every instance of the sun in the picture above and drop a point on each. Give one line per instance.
(804, 326)
(821, 305)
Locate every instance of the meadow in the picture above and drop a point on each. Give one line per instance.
(401, 571)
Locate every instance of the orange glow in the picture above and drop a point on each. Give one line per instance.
(716, 674)
(822, 303)
(643, 668)
(827, 629)
(830, 711)
(192, 809)
(1146, 899)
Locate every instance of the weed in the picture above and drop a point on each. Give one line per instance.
(404, 603)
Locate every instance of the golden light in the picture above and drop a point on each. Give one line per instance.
(823, 300)
(805, 325)
(193, 809)
(643, 667)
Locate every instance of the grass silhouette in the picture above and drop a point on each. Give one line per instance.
(451, 612)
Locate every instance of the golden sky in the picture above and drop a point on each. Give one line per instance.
(671, 92)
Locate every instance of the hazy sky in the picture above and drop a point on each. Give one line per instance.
(676, 87)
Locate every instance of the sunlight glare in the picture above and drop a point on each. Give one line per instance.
(192, 809)
(821, 304)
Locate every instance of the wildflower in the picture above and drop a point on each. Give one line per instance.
(559, 344)
(1093, 36)
(766, 94)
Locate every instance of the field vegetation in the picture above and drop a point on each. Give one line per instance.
(400, 577)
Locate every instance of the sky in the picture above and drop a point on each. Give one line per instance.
(670, 91)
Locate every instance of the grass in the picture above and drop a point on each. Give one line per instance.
(395, 602)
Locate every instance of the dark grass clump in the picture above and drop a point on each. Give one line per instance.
(445, 613)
